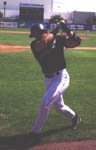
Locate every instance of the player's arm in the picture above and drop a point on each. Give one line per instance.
(72, 39)
(45, 41)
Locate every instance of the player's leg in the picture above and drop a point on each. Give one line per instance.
(43, 113)
(60, 107)
(59, 84)
(65, 110)
(45, 105)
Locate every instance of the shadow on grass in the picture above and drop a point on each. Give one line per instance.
(21, 142)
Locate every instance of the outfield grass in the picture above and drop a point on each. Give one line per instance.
(15, 39)
(15, 29)
(21, 91)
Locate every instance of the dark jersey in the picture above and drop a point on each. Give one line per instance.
(51, 58)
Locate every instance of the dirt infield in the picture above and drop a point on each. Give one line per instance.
(14, 48)
(85, 48)
(15, 32)
(82, 145)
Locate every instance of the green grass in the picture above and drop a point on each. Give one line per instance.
(90, 42)
(16, 39)
(15, 29)
(21, 91)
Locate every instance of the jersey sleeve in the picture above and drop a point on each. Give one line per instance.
(61, 41)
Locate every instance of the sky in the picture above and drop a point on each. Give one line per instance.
(69, 5)
(81, 5)
(60, 5)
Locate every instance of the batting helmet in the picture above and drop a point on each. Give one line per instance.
(37, 28)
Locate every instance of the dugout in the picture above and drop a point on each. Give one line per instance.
(31, 12)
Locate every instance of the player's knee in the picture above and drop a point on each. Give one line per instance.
(58, 106)
(46, 103)
(45, 107)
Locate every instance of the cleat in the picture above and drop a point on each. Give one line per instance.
(75, 122)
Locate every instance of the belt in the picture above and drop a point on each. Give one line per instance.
(50, 75)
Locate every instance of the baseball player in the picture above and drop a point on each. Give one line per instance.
(48, 49)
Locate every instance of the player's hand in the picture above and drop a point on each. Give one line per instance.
(64, 26)
(62, 22)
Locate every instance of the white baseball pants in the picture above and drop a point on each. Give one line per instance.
(55, 86)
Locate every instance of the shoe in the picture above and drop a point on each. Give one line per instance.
(75, 122)
(35, 134)
(33, 138)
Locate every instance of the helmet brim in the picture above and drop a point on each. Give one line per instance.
(41, 31)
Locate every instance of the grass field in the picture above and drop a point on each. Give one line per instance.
(21, 91)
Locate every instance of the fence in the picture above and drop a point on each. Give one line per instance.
(23, 24)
